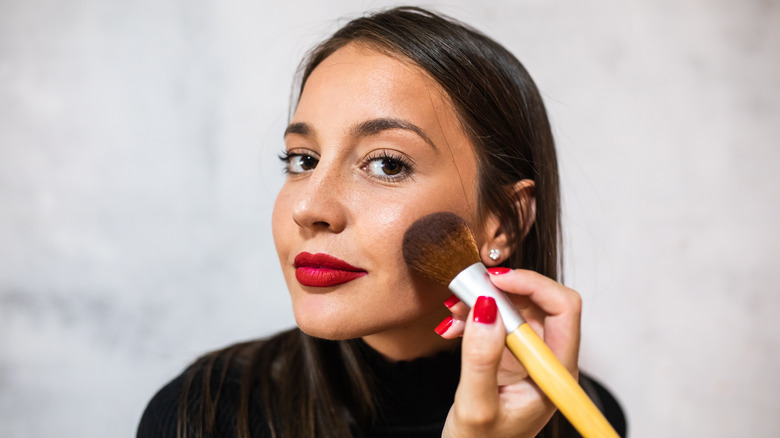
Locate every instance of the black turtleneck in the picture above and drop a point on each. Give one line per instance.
(413, 397)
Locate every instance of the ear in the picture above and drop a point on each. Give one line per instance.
(496, 237)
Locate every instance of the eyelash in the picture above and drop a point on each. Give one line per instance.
(285, 156)
(406, 164)
(407, 167)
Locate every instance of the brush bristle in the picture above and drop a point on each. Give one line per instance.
(439, 246)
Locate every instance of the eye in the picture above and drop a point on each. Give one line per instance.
(388, 166)
(296, 163)
(384, 167)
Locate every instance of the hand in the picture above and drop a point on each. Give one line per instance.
(495, 396)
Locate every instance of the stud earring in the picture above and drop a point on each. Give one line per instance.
(494, 254)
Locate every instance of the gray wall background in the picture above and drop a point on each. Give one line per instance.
(138, 171)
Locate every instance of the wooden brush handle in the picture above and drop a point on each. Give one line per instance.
(557, 383)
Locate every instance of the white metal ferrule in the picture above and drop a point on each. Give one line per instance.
(474, 282)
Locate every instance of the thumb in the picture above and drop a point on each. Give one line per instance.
(476, 400)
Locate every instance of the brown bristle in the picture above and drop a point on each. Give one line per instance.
(439, 246)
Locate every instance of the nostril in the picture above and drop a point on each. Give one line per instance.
(328, 217)
(321, 224)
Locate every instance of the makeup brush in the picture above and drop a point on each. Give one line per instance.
(442, 247)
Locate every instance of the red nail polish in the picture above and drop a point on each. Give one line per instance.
(499, 270)
(451, 301)
(485, 310)
(444, 325)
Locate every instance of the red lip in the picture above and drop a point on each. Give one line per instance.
(323, 270)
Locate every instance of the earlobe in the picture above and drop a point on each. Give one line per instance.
(497, 247)
(494, 249)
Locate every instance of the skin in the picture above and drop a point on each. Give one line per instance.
(340, 200)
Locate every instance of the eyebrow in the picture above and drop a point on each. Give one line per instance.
(375, 126)
(298, 128)
(368, 128)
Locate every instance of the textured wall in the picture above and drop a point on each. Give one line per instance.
(138, 170)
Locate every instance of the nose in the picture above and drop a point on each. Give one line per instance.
(320, 206)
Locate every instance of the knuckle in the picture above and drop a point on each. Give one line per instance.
(479, 356)
(477, 416)
(477, 359)
(575, 300)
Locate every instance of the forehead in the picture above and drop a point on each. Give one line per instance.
(359, 81)
(359, 59)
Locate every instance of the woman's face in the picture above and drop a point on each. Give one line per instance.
(373, 146)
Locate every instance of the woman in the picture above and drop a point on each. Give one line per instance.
(400, 114)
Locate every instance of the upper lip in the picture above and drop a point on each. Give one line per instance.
(321, 260)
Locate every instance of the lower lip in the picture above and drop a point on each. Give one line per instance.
(325, 277)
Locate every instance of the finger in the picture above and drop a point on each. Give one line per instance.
(460, 309)
(563, 308)
(552, 297)
(451, 327)
(457, 307)
(476, 400)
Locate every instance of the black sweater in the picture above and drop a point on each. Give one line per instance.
(414, 397)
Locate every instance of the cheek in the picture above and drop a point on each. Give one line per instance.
(385, 219)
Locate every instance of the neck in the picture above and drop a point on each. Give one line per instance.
(412, 341)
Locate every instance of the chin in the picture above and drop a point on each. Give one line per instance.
(341, 325)
(326, 333)
(330, 331)
(345, 314)
(324, 326)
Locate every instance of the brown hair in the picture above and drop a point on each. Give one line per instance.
(501, 110)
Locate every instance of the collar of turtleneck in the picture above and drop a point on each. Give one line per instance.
(414, 396)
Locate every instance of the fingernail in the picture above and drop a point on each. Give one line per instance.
(451, 301)
(499, 270)
(443, 326)
(485, 310)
